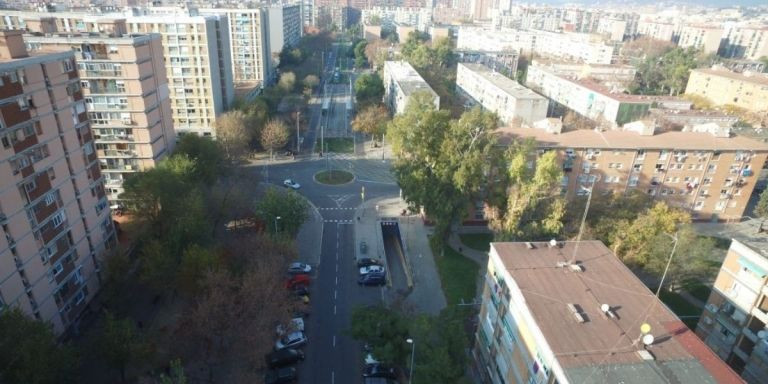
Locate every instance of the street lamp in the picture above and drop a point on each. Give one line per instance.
(671, 254)
(276, 219)
(413, 350)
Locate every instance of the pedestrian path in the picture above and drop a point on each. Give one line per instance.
(479, 257)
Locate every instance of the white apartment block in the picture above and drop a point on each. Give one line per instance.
(500, 94)
(707, 38)
(285, 27)
(614, 28)
(572, 46)
(659, 30)
(400, 82)
(420, 18)
(198, 64)
(746, 42)
(611, 75)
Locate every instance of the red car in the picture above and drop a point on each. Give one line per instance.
(300, 279)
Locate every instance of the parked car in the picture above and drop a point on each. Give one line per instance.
(301, 290)
(295, 280)
(291, 184)
(378, 380)
(283, 357)
(372, 279)
(364, 262)
(296, 324)
(371, 269)
(291, 340)
(379, 370)
(282, 375)
(297, 268)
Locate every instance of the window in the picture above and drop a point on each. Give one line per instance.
(641, 154)
(67, 66)
(633, 181)
(57, 268)
(49, 198)
(52, 249)
(711, 168)
(31, 186)
(80, 297)
(51, 173)
(22, 103)
(58, 219)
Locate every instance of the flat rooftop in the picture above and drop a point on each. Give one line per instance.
(509, 86)
(618, 139)
(750, 77)
(406, 77)
(604, 349)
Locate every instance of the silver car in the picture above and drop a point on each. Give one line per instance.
(296, 268)
(371, 269)
(291, 340)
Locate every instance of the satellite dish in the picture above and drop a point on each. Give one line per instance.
(648, 339)
(553, 243)
(645, 328)
(762, 334)
(605, 307)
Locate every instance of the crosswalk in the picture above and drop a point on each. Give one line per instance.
(338, 221)
(336, 209)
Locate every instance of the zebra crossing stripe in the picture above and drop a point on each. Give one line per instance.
(338, 221)
(336, 209)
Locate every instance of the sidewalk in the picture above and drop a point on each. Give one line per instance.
(426, 295)
(479, 257)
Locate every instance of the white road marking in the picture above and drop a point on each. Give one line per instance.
(337, 280)
(333, 377)
(334, 341)
(334, 294)
(334, 309)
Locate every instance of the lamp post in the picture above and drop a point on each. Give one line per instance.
(276, 219)
(669, 262)
(413, 350)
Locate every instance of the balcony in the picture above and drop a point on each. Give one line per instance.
(115, 138)
(106, 90)
(117, 153)
(104, 73)
(113, 182)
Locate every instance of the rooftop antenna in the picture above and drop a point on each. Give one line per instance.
(583, 221)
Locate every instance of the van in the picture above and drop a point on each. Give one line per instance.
(283, 357)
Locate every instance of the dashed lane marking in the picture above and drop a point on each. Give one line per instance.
(338, 221)
(336, 209)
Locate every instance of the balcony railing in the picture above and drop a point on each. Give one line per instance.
(115, 138)
(117, 153)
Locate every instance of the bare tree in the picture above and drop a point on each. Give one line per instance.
(274, 135)
(287, 81)
(233, 134)
(311, 81)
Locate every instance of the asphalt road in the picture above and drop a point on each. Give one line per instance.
(332, 357)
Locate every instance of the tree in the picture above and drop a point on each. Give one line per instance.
(534, 208)
(644, 47)
(631, 242)
(311, 81)
(153, 194)
(288, 205)
(376, 53)
(371, 120)
(382, 329)
(761, 210)
(287, 81)
(369, 89)
(442, 342)
(764, 60)
(232, 134)
(694, 258)
(196, 262)
(176, 375)
(359, 52)
(275, 135)
(207, 157)
(290, 56)
(158, 265)
(30, 353)
(120, 345)
(667, 73)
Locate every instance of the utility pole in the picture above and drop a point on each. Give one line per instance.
(298, 118)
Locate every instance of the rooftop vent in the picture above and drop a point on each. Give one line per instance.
(553, 243)
(576, 313)
(529, 245)
(645, 355)
(606, 309)
(562, 264)
(575, 268)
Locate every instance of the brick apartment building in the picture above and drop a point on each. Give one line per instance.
(53, 208)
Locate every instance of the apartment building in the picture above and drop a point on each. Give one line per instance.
(607, 106)
(500, 94)
(704, 170)
(420, 18)
(746, 42)
(568, 312)
(707, 38)
(611, 75)
(400, 82)
(615, 29)
(285, 28)
(748, 90)
(53, 208)
(198, 65)
(63, 22)
(124, 82)
(659, 30)
(735, 320)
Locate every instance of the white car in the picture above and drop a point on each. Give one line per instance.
(371, 269)
(296, 268)
(291, 340)
(291, 184)
(295, 325)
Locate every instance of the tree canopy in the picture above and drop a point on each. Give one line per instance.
(667, 74)
(275, 135)
(369, 89)
(287, 205)
(371, 120)
(233, 134)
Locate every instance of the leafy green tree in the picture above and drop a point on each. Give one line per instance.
(154, 194)
(414, 40)
(207, 156)
(120, 344)
(291, 56)
(441, 344)
(695, 257)
(667, 73)
(288, 205)
(632, 241)
(30, 353)
(196, 262)
(372, 120)
(382, 329)
(369, 89)
(176, 376)
(534, 208)
(158, 265)
(761, 210)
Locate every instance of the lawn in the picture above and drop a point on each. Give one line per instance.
(681, 307)
(477, 241)
(334, 177)
(338, 145)
(458, 276)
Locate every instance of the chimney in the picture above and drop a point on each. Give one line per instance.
(12, 45)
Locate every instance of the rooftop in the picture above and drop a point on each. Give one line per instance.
(618, 139)
(750, 77)
(509, 86)
(104, 38)
(406, 77)
(604, 348)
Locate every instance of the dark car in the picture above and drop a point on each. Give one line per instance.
(379, 370)
(283, 357)
(282, 375)
(372, 279)
(301, 290)
(365, 262)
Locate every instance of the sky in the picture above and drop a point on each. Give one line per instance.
(712, 3)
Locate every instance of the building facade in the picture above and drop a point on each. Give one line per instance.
(198, 65)
(746, 90)
(400, 82)
(706, 38)
(500, 94)
(746, 42)
(126, 93)
(285, 28)
(568, 312)
(53, 208)
(659, 30)
(711, 174)
(735, 320)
